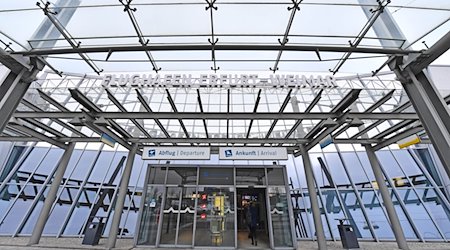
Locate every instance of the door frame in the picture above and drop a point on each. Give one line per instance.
(235, 186)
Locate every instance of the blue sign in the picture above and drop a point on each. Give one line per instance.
(228, 153)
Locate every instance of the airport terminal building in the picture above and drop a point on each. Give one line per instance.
(166, 122)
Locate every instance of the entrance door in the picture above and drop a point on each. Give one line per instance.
(256, 198)
(178, 216)
(215, 217)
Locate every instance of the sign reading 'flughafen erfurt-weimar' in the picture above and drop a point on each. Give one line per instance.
(220, 80)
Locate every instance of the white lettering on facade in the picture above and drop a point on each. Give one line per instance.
(223, 80)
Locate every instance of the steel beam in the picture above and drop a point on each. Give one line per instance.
(199, 100)
(34, 133)
(359, 38)
(122, 108)
(130, 11)
(147, 107)
(320, 234)
(387, 200)
(223, 47)
(59, 122)
(12, 91)
(285, 39)
(283, 106)
(175, 110)
(430, 107)
(393, 129)
(428, 56)
(123, 189)
(398, 137)
(219, 115)
(258, 98)
(380, 102)
(51, 196)
(172, 140)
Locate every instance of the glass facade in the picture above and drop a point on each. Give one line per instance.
(346, 188)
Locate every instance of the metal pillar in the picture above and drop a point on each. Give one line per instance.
(11, 92)
(123, 188)
(24, 69)
(313, 199)
(428, 103)
(431, 109)
(51, 196)
(387, 201)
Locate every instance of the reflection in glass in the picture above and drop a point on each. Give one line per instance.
(150, 216)
(182, 176)
(279, 214)
(250, 176)
(216, 176)
(275, 176)
(170, 215)
(157, 175)
(356, 216)
(186, 214)
(375, 213)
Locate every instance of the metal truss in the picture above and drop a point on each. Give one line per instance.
(101, 122)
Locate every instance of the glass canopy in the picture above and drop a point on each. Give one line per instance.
(221, 35)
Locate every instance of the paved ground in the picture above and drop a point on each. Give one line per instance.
(19, 243)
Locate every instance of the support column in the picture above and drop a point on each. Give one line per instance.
(387, 201)
(431, 109)
(123, 188)
(313, 199)
(51, 196)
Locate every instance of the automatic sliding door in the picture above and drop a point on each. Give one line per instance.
(279, 215)
(186, 216)
(215, 217)
(170, 216)
(178, 216)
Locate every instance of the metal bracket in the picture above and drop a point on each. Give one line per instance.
(318, 54)
(211, 5)
(296, 5)
(7, 45)
(46, 8)
(282, 43)
(213, 43)
(127, 5)
(380, 6)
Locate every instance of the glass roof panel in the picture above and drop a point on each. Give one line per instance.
(249, 22)
(416, 22)
(329, 20)
(185, 19)
(251, 19)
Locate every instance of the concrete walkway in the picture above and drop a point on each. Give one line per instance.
(9, 243)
